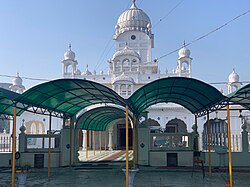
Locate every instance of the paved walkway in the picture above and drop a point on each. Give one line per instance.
(112, 176)
(97, 155)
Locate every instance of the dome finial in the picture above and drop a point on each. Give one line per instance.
(17, 74)
(70, 46)
(133, 4)
(184, 43)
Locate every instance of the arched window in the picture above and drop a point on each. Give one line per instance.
(33, 128)
(218, 134)
(129, 90)
(123, 90)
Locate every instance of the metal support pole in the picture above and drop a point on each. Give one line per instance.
(13, 147)
(196, 135)
(93, 134)
(70, 136)
(100, 140)
(135, 141)
(49, 145)
(127, 182)
(87, 137)
(209, 147)
(105, 140)
(229, 147)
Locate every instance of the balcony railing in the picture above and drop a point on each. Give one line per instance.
(171, 141)
(40, 142)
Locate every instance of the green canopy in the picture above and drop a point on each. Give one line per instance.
(99, 118)
(7, 103)
(241, 97)
(196, 96)
(69, 96)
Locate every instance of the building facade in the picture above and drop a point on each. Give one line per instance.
(132, 67)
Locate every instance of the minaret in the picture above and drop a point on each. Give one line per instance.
(233, 82)
(184, 62)
(69, 61)
(17, 85)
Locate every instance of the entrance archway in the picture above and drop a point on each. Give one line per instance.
(176, 126)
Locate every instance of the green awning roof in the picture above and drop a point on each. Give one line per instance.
(99, 118)
(192, 94)
(7, 103)
(69, 96)
(241, 97)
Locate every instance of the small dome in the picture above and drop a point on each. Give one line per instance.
(133, 19)
(184, 52)
(17, 81)
(126, 51)
(124, 77)
(233, 77)
(69, 55)
(87, 72)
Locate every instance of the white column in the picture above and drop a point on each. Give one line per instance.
(84, 140)
(110, 140)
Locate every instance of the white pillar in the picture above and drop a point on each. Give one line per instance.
(110, 140)
(84, 140)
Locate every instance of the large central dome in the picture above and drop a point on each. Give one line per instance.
(133, 19)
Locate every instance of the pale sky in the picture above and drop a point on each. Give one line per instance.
(35, 34)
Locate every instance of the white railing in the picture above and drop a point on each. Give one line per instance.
(220, 140)
(35, 142)
(171, 141)
(5, 142)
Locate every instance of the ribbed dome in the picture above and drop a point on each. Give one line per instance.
(17, 81)
(126, 51)
(69, 55)
(184, 52)
(133, 19)
(233, 77)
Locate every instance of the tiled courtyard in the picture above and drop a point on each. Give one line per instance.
(105, 175)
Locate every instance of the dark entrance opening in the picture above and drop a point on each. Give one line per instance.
(122, 137)
(39, 161)
(172, 159)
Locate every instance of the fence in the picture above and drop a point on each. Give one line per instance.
(40, 142)
(171, 141)
(220, 140)
(5, 142)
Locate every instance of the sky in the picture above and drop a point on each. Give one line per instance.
(35, 34)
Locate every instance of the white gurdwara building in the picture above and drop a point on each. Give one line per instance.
(132, 66)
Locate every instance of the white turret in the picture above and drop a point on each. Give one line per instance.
(233, 82)
(17, 84)
(184, 62)
(69, 61)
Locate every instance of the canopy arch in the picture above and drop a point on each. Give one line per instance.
(7, 102)
(196, 96)
(100, 118)
(69, 96)
(241, 97)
